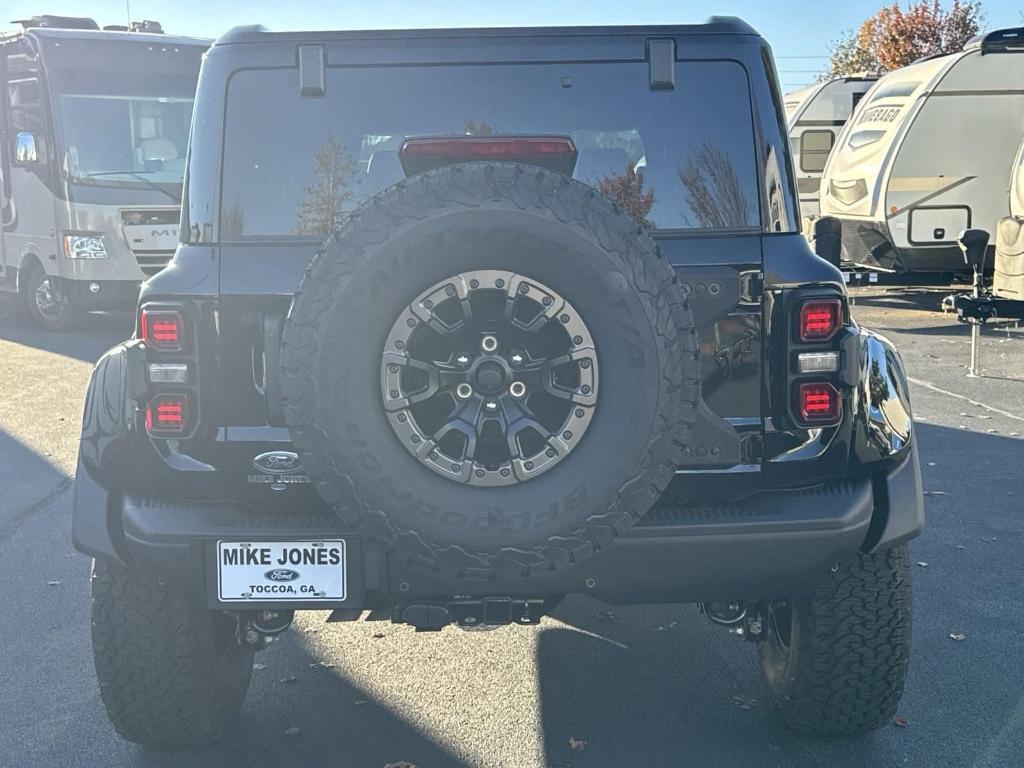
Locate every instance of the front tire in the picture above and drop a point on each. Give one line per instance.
(170, 675)
(43, 306)
(835, 661)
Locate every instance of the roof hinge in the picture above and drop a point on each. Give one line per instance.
(312, 71)
(661, 63)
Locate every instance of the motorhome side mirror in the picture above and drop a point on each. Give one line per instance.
(974, 244)
(29, 150)
(828, 239)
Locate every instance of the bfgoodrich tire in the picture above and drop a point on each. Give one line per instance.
(461, 229)
(836, 660)
(170, 675)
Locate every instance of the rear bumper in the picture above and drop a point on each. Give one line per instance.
(774, 544)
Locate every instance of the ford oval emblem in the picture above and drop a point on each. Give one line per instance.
(281, 574)
(278, 462)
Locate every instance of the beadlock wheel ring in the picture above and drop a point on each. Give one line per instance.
(489, 378)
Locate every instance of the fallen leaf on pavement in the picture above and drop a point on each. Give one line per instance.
(259, 666)
(960, 546)
(293, 731)
(957, 636)
(900, 722)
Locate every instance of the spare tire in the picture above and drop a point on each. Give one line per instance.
(490, 369)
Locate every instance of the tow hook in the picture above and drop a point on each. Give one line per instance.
(743, 619)
(258, 628)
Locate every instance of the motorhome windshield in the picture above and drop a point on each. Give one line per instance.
(123, 131)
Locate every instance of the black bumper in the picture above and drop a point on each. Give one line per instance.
(112, 294)
(774, 544)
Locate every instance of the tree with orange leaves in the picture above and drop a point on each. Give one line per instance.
(895, 37)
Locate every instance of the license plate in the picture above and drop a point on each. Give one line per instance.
(280, 571)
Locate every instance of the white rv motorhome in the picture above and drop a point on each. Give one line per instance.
(927, 155)
(815, 115)
(93, 129)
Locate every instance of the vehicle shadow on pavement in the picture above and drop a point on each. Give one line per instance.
(95, 334)
(338, 723)
(660, 685)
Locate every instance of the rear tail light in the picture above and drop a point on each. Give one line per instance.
(557, 153)
(167, 415)
(820, 320)
(818, 403)
(163, 330)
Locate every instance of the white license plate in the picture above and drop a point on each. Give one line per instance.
(280, 571)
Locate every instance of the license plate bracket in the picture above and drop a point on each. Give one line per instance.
(281, 573)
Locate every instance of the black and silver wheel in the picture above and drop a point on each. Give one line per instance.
(44, 306)
(489, 378)
(835, 661)
(440, 370)
(170, 674)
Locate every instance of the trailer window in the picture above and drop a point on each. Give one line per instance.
(814, 149)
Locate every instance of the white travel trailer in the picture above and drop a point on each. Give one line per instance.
(927, 155)
(815, 115)
(1008, 280)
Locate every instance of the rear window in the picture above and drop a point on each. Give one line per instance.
(681, 159)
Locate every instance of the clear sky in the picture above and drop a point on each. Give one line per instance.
(799, 30)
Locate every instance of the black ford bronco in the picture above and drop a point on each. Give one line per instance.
(464, 321)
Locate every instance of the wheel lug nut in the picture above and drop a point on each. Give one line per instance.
(489, 343)
(463, 391)
(517, 389)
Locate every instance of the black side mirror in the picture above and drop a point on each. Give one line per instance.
(828, 239)
(974, 244)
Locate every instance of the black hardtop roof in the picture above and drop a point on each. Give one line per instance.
(51, 33)
(716, 25)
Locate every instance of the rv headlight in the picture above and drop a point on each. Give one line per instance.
(85, 247)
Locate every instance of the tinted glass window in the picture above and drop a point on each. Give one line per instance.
(675, 159)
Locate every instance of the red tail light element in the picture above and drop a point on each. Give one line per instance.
(555, 152)
(163, 330)
(820, 320)
(167, 415)
(819, 403)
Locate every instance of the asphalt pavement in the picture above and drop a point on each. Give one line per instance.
(594, 685)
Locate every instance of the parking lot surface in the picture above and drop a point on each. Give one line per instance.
(594, 685)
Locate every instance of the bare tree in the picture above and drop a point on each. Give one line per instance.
(322, 209)
(714, 193)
